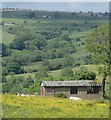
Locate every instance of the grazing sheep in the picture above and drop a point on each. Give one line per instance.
(74, 98)
(18, 94)
(21, 94)
(25, 95)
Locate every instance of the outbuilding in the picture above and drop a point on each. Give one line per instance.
(84, 89)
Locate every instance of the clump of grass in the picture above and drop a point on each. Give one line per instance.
(60, 95)
(102, 101)
(90, 104)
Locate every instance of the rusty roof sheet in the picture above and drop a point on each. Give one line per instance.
(72, 83)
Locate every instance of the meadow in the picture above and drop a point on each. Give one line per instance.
(7, 38)
(48, 107)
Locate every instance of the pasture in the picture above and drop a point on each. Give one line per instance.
(7, 37)
(49, 107)
(56, 73)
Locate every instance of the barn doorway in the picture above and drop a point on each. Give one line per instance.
(74, 90)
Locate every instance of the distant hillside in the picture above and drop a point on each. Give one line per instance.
(28, 13)
(40, 42)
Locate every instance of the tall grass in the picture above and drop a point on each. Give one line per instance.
(49, 107)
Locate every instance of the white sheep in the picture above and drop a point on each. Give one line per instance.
(74, 98)
(25, 95)
(21, 94)
(18, 94)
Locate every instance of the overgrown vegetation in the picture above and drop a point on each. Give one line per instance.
(60, 95)
(98, 42)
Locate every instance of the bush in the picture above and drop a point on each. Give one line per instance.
(4, 71)
(77, 64)
(17, 44)
(88, 59)
(68, 61)
(11, 30)
(14, 67)
(3, 78)
(67, 72)
(55, 66)
(4, 51)
(84, 74)
(60, 95)
(78, 39)
(41, 73)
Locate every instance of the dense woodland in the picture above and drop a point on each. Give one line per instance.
(40, 42)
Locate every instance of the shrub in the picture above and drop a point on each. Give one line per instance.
(14, 67)
(78, 39)
(60, 95)
(17, 44)
(55, 66)
(67, 72)
(77, 64)
(41, 73)
(85, 75)
(68, 61)
(4, 71)
(4, 51)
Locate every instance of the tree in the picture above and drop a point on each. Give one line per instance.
(68, 61)
(46, 64)
(99, 44)
(14, 67)
(56, 14)
(4, 71)
(78, 39)
(55, 66)
(65, 38)
(28, 82)
(3, 78)
(42, 73)
(4, 50)
(84, 74)
(88, 59)
(69, 48)
(17, 44)
(31, 15)
(67, 72)
(52, 54)
(13, 85)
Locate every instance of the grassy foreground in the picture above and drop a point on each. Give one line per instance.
(48, 107)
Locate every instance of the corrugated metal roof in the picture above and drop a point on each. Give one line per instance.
(72, 83)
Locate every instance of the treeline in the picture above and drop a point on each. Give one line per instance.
(34, 14)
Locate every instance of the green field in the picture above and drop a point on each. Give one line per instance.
(7, 38)
(56, 73)
(49, 107)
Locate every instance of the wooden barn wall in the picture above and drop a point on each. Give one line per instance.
(82, 92)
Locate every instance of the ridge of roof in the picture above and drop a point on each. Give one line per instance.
(72, 83)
